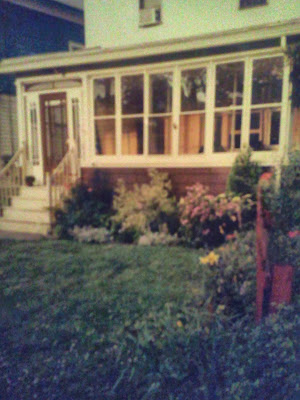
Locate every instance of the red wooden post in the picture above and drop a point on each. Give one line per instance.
(263, 270)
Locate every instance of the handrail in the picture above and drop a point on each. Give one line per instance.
(12, 177)
(62, 179)
(11, 162)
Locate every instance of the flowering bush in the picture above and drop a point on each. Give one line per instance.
(144, 208)
(207, 219)
(229, 276)
(157, 238)
(88, 234)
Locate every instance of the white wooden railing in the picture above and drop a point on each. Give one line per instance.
(63, 178)
(12, 177)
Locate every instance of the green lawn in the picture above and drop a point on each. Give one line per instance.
(65, 304)
(122, 322)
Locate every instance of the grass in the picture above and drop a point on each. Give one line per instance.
(64, 304)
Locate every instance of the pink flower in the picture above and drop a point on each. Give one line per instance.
(230, 236)
(293, 234)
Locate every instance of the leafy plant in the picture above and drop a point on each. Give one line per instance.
(84, 208)
(207, 219)
(282, 201)
(88, 234)
(244, 175)
(230, 277)
(157, 238)
(144, 208)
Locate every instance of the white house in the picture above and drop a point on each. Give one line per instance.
(171, 84)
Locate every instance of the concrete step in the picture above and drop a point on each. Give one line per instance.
(17, 214)
(34, 192)
(24, 226)
(29, 204)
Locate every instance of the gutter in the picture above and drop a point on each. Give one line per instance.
(99, 55)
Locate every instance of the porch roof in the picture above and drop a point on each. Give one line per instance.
(91, 57)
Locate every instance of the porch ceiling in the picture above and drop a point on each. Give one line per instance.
(97, 55)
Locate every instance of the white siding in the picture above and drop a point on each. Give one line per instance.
(111, 23)
(8, 124)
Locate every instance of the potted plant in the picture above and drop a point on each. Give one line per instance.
(29, 180)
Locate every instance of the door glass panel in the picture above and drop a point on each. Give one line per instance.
(55, 123)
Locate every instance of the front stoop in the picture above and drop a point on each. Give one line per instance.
(28, 213)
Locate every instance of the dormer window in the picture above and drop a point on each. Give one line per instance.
(150, 13)
(252, 3)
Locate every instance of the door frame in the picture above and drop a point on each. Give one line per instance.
(42, 99)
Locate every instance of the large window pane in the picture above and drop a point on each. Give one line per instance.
(132, 136)
(264, 128)
(192, 134)
(105, 137)
(229, 84)
(193, 89)
(227, 131)
(132, 94)
(161, 93)
(160, 135)
(104, 96)
(267, 80)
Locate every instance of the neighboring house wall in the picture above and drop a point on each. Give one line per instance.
(8, 124)
(115, 23)
(24, 32)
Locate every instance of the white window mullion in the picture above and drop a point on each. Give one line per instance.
(118, 115)
(209, 107)
(146, 113)
(285, 132)
(246, 111)
(176, 112)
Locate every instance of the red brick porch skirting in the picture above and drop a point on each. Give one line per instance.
(215, 178)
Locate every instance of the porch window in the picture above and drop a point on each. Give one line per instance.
(192, 112)
(104, 116)
(160, 113)
(132, 114)
(266, 103)
(228, 106)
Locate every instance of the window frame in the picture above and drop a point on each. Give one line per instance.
(208, 157)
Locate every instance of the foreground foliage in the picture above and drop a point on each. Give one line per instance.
(117, 322)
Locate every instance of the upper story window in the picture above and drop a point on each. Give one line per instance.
(252, 3)
(150, 12)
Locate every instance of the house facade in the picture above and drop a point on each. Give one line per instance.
(26, 28)
(179, 86)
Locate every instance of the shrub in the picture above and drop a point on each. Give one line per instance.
(84, 208)
(88, 234)
(282, 201)
(207, 219)
(144, 208)
(244, 175)
(157, 238)
(230, 277)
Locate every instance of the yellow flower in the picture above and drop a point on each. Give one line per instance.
(212, 258)
(221, 230)
(179, 324)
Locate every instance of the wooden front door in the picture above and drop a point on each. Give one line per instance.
(54, 128)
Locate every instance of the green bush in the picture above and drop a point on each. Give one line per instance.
(244, 175)
(230, 277)
(85, 207)
(208, 219)
(145, 208)
(282, 201)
